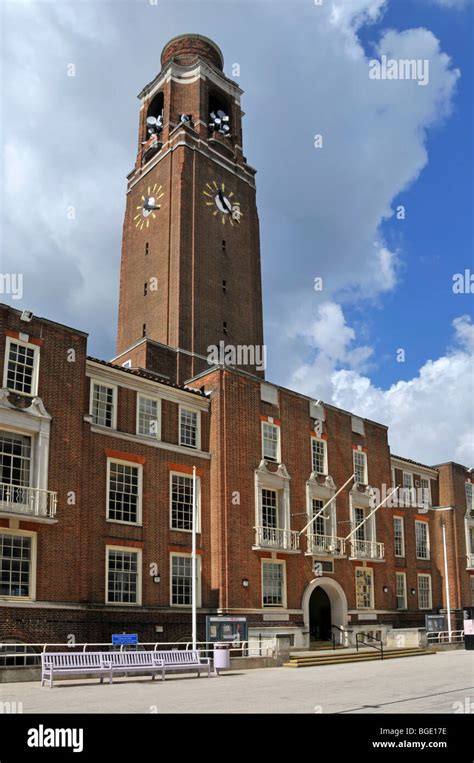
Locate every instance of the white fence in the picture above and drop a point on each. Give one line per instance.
(28, 655)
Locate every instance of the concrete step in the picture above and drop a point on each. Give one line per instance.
(340, 659)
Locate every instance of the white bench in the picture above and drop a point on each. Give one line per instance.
(184, 659)
(101, 663)
(127, 662)
(73, 663)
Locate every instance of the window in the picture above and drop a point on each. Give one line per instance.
(319, 525)
(359, 516)
(426, 490)
(182, 502)
(147, 248)
(181, 580)
(144, 329)
(224, 286)
(21, 367)
(407, 480)
(189, 428)
(17, 564)
(399, 536)
(148, 418)
(319, 455)
(422, 540)
(470, 497)
(401, 590)
(360, 467)
(269, 508)
(103, 405)
(15, 467)
(145, 288)
(273, 584)
(364, 581)
(424, 591)
(123, 576)
(271, 441)
(124, 492)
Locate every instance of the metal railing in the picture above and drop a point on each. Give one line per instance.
(325, 544)
(344, 635)
(367, 549)
(29, 655)
(360, 639)
(31, 501)
(443, 637)
(275, 537)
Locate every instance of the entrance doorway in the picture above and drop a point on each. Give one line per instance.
(319, 615)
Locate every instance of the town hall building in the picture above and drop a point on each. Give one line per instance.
(296, 528)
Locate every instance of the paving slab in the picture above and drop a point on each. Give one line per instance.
(443, 683)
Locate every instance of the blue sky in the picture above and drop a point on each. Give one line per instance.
(70, 142)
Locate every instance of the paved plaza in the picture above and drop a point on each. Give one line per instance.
(443, 683)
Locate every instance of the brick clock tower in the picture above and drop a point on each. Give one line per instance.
(190, 270)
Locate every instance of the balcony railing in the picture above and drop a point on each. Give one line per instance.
(367, 549)
(470, 561)
(30, 501)
(325, 544)
(275, 537)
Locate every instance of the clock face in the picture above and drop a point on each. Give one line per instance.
(146, 210)
(222, 203)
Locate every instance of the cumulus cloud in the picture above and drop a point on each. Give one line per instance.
(429, 415)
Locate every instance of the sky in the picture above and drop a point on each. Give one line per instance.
(380, 207)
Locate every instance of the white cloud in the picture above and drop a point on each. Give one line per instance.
(428, 416)
(452, 3)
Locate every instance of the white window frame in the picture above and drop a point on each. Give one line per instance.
(283, 604)
(274, 426)
(36, 362)
(430, 590)
(127, 549)
(139, 467)
(34, 541)
(198, 579)
(190, 409)
(152, 399)
(198, 501)
(410, 475)
(427, 487)
(322, 441)
(469, 502)
(366, 469)
(403, 576)
(372, 591)
(428, 555)
(114, 389)
(401, 520)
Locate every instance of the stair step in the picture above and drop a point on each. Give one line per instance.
(355, 657)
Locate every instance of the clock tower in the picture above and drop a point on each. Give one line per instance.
(190, 283)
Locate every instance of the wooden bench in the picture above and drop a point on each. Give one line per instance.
(73, 663)
(184, 659)
(102, 663)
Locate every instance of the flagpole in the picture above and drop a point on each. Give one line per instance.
(193, 566)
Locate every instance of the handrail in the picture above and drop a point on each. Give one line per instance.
(342, 630)
(374, 638)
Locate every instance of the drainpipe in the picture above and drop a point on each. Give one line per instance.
(446, 579)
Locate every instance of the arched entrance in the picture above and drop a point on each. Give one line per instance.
(319, 615)
(324, 604)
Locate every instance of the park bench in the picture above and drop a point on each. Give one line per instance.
(190, 660)
(73, 663)
(101, 663)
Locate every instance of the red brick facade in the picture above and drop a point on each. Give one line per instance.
(251, 442)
